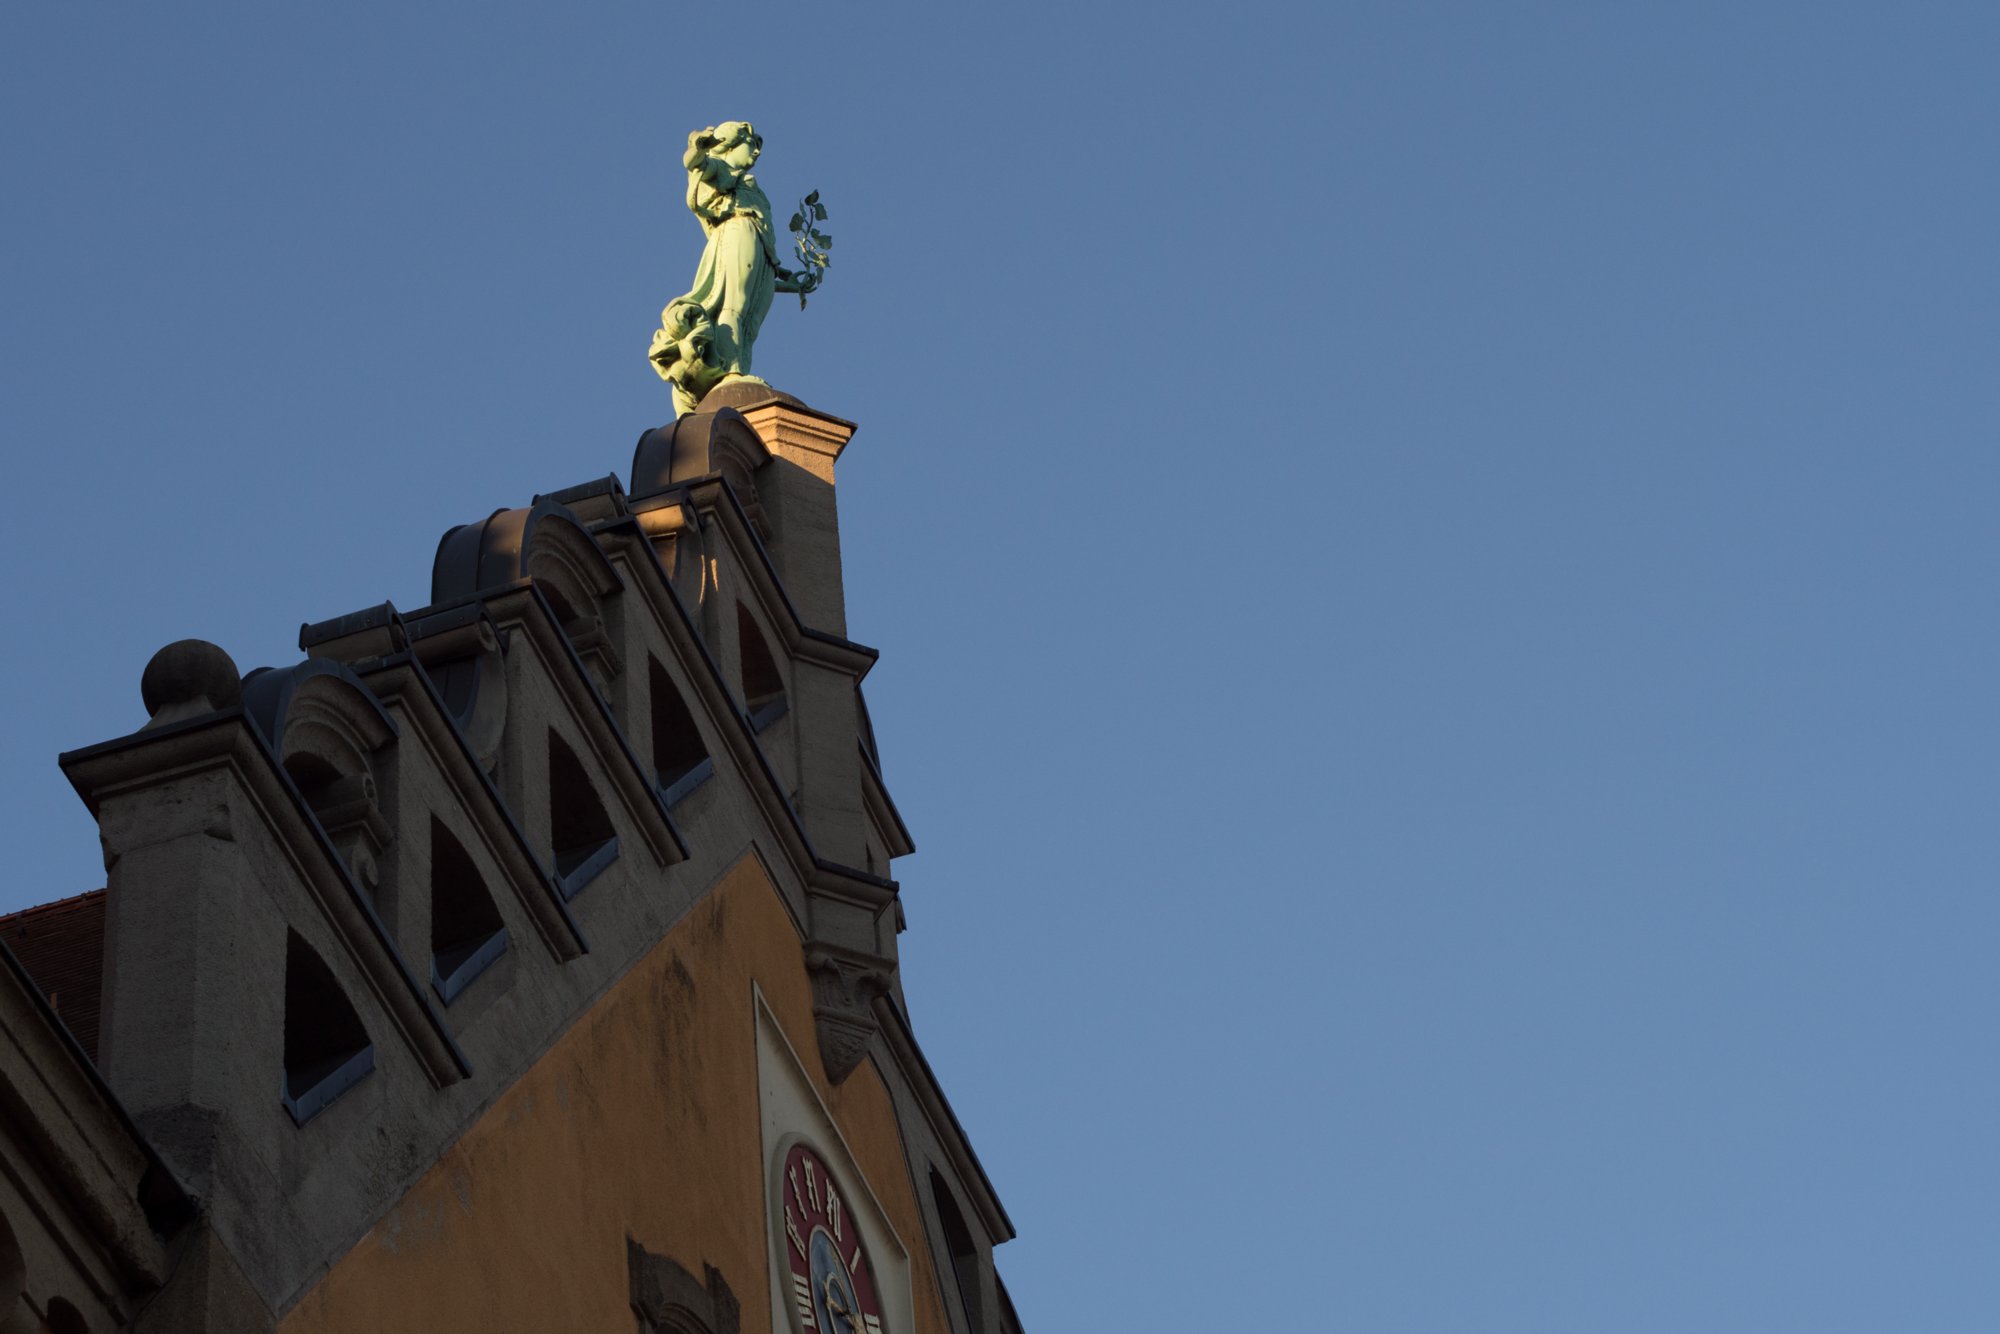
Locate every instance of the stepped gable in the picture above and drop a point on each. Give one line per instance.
(571, 888)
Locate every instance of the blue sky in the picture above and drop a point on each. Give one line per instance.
(1433, 565)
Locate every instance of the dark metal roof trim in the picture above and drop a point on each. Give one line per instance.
(608, 485)
(381, 616)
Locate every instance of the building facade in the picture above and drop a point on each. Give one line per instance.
(525, 961)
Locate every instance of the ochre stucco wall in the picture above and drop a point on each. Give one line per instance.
(642, 1119)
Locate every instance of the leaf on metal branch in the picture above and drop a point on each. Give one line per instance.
(813, 198)
(798, 221)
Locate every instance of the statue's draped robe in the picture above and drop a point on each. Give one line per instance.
(738, 266)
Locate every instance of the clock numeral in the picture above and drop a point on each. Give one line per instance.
(833, 1211)
(812, 1186)
(874, 1325)
(794, 1174)
(792, 1231)
(854, 1265)
(802, 1293)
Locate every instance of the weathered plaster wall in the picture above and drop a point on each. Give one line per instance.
(641, 1120)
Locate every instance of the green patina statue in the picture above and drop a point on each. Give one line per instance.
(705, 336)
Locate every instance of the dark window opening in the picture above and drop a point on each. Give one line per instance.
(467, 934)
(585, 842)
(763, 687)
(13, 1269)
(64, 1318)
(680, 761)
(326, 1049)
(964, 1251)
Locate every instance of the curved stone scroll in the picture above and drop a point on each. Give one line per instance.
(546, 543)
(703, 444)
(325, 726)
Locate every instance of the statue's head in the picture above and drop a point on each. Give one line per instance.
(737, 143)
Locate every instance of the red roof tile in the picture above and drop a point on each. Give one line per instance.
(61, 944)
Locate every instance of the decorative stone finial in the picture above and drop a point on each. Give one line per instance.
(188, 678)
(705, 336)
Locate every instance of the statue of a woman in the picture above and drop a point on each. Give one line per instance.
(706, 335)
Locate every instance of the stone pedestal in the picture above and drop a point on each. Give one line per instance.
(797, 492)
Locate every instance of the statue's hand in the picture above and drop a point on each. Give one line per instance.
(806, 282)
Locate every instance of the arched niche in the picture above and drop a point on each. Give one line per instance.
(681, 761)
(581, 835)
(763, 682)
(704, 444)
(325, 727)
(467, 934)
(959, 1245)
(545, 543)
(327, 1050)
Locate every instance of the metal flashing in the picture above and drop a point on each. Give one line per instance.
(465, 964)
(316, 1099)
(702, 771)
(577, 871)
(608, 485)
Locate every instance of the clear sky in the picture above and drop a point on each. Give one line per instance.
(1434, 567)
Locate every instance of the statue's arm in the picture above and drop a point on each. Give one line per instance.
(782, 278)
(699, 142)
(711, 193)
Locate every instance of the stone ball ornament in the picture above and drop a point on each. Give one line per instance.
(187, 678)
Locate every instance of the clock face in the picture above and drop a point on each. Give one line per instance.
(833, 1284)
